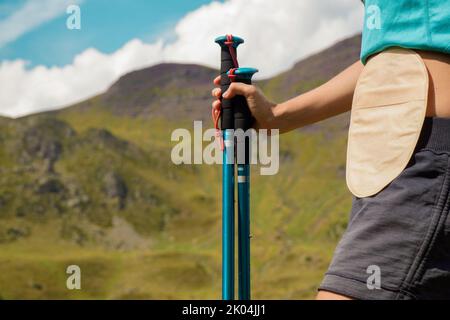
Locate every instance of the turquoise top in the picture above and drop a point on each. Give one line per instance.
(413, 24)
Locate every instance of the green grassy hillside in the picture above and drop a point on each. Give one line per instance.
(93, 185)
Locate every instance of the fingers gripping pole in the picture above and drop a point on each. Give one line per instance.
(242, 116)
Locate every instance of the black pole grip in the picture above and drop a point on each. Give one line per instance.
(227, 63)
(243, 118)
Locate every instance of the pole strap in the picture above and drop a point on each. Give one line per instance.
(232, 75)
(216, 113)
(230, 44)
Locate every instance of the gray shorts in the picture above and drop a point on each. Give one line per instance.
(397, 242)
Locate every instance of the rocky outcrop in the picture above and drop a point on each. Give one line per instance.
(114, 186)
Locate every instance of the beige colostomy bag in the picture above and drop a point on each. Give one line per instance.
(389, 107)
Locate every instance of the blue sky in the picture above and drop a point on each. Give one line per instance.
(46, 66)
(106, 25)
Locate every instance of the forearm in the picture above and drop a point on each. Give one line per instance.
(332, 98)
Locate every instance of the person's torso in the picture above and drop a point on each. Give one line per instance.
(422, 25)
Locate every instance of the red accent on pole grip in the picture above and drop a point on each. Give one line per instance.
(231, 74)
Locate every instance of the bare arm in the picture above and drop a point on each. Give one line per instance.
(330, 99)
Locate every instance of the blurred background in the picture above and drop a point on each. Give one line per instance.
(90, 92)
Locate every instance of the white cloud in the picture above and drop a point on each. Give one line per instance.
(41, 88)
(278, 33)
(32, 14)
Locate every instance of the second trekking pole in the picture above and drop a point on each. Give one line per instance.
(243, 121)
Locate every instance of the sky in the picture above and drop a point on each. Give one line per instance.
(44, 65)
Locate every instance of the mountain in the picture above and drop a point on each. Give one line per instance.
(179, 91)
(172, 91)
(93, 185)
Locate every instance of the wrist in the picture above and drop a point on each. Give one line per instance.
(278, 110)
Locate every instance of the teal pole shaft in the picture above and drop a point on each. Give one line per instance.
(228, 217)
(244, 231)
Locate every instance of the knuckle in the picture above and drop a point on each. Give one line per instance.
(251, 90)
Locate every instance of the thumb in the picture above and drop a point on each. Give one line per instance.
(238, 89)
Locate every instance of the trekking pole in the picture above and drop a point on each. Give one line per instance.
(243, 120)
(229, 61)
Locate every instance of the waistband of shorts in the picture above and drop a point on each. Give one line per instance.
(435, 135)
